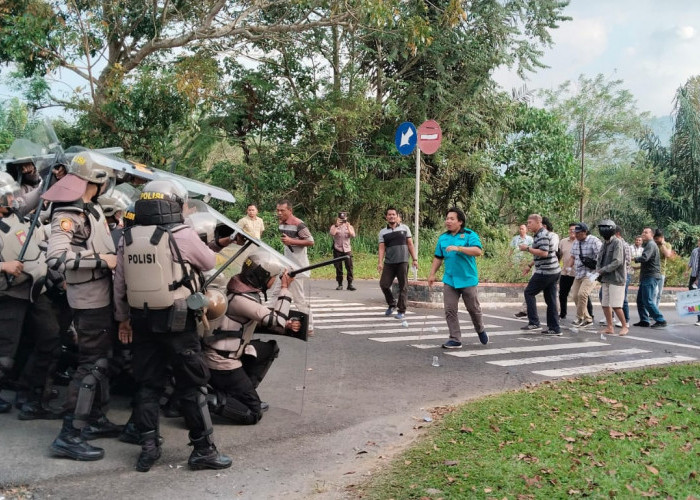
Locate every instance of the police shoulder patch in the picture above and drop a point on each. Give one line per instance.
(66, 224)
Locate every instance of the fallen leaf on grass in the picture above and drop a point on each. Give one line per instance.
(495, 428)
(407, 462)
(451, 462)
(569, 439)
(652, 469)
(466, 429)
(617, 435)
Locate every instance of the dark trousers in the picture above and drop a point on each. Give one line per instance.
(547, 284)
(565, 283)
(96, 331)
(153, 352)
(34, 323)
(400, 272)
(339, 266)
(625, 304)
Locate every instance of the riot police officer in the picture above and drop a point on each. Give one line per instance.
(237, 362)
(159, 264)
(80, 246)
(26, 311)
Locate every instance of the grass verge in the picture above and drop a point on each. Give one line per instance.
(622, 435)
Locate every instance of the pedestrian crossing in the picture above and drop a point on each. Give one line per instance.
(584, 352)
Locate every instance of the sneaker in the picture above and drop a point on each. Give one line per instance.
(531, 327)
(617, 323)
(400, 315)
(483, 338)
(643, 324)
(660, 324)
(389, 311)
(602, 321)
(552, 333)
(697, 324)
(452, 344)
(586, 322)
(351, 288)
(577, 322)
(339, 287)
(520, 314)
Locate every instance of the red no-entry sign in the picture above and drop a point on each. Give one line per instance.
(429, 137)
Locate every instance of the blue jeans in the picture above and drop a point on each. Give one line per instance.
(646, 305)
(546, 283)
(659, 289)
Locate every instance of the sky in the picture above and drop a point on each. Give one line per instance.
(653, 46)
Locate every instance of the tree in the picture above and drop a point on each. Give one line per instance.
(535, 169)
(602, 118)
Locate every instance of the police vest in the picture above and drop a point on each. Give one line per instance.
(99, 241)
(14, 233)
(229, 338)
(154, 272)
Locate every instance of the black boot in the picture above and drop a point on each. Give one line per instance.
(21, 397)
(350, 287)
(150, 451)
(70, 444)
(206, 456)
(5, 406)
(34, 409)
(131, 435)
(101, 427)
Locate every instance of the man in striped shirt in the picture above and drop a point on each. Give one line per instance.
(544, 279)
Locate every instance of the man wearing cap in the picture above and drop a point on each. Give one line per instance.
(584, 255)
(81, 247)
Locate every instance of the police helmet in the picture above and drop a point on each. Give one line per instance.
(606, 228)
(217, 303)
(160, 202)
(129, 215)
(9, 189)
(115, 201)
(259, 267)
(84, 166)
(204, 224)
(165, 189)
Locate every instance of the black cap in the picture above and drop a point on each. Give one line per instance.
(581, 227)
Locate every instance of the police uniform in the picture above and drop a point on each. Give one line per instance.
(159, 261)
(79, 236)
(238, 363)
(25, 313)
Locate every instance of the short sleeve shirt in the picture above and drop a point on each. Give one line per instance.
(253, 227)
(460, 269)
(395, 243)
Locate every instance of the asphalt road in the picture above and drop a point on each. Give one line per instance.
(341, 404)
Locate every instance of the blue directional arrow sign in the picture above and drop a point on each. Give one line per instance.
(406, 138)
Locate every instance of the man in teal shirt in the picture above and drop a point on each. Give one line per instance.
(458, 247)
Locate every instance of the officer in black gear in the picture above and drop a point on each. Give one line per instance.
(159, 265)
(25, 311)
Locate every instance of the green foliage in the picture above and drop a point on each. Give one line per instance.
(535, 169)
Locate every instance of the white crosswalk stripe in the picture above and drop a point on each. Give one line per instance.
(369, 323)
(566, 357)
(620, 365)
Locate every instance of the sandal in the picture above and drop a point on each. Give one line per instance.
(606, 332)
(624, 332)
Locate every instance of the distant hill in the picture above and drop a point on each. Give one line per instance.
(662, 127)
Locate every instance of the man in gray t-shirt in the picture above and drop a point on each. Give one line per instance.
(395, 247)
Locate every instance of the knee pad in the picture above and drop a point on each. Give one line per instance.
(238, 413)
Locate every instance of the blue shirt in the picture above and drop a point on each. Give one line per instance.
(460, 268)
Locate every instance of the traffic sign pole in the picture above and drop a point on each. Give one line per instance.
(416, 211)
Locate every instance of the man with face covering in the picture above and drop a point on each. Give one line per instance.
(80, 246)
(613, 273)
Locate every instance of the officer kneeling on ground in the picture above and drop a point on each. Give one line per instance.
(159, 264)
(237, 362)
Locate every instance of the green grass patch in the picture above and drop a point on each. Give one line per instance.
(622, 435)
